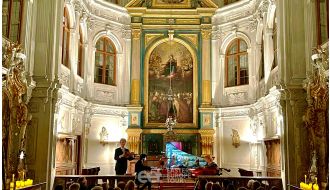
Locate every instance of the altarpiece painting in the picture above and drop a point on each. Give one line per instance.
(170, 65)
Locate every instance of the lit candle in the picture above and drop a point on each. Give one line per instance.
(22, 183)
(309, 187)
(18, 184)
(315, 186)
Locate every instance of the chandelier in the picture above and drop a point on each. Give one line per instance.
(171, 113)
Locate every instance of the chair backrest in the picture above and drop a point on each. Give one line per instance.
(244, 172)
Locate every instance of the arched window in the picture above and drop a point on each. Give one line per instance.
(322, 21)
(80, 70)
(275, 63)
(105, 62)
(12, 11)
(237, 63)
(65, 39)
(262, 62)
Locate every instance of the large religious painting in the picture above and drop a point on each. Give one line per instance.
(170, 65)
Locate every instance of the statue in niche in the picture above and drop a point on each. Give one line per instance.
(235, 138)
(104, 135)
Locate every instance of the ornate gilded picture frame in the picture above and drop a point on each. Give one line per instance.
(170, 64)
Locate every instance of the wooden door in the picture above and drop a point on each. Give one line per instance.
(273, 153)
(67, 155)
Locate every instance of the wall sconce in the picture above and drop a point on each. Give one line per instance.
(104, 136)
(235, 138)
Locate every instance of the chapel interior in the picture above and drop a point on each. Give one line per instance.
(245, 81)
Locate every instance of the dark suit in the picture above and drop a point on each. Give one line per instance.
(121, 164)
(139, 167)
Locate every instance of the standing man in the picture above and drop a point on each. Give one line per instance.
(122, 154)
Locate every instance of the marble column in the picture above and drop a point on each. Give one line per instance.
(72, 59)
(85, 71)
(135, 74)
(206, 66)
(216, 70)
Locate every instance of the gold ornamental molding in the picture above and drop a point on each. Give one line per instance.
(193, 38)
(187, 21)
(154, 21)
(207, 141)
(134, 131)
(206, 132)
(315, 117)
(171, 4)
(150, 37)
(206, 31)
(195, 85)
(134, 140)
(16, 116)
(206, 34)
(177, 131)
(136, 33)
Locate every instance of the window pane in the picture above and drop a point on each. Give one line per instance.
(243, 61)
(110, 62)
(242, 46)
(98, 74)
(14, 33)
(5, 16)
(244, 77)
(232, 69)
(109, 47)
(99, 44)
(233, 48)
(110, 72)
(323, 20)
(100, 71)
(98, 59)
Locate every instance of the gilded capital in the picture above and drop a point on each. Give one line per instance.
(136, 33)
(207, 141)
(133, 140)
(206, 34)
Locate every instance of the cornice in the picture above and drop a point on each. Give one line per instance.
(98, 109)
(106, 12)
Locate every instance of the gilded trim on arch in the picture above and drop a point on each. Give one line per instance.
(193, 38)
(150, 38)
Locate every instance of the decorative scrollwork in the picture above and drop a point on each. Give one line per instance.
(14, 91)
(316, 113)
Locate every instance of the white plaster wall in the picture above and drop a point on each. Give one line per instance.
(110, 21)
(103, 155)
(239, 157)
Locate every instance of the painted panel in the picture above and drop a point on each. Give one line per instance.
(170, 64)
